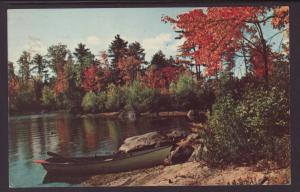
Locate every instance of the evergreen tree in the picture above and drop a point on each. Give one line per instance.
(40, 64)
(84, 56)
(85, 59)
(117, 50)
(24, 62)
(159, 60)
(135, 50)
(11, 70)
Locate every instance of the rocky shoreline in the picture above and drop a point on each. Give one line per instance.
(192, 174)
(183, 168)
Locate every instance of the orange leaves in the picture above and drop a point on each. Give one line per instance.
(214, 34)
(129, 68)
(92, 80)
(61, 84)
(281, 17)
(257, 61)
(12, 86)
(162, 77)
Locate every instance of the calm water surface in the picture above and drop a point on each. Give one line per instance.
(30, 137)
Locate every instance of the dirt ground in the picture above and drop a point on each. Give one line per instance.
(191, 173)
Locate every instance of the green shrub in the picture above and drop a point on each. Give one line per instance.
(266, 109)
(187, 94)
(227, 137)
(89, 102)
(25, 100)
(101, 99)
(249, 129)
(48, 98)
(114, 98)
(139, 97)
(184, 93)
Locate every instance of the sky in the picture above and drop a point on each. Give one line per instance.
(37, 29)
(34, 30)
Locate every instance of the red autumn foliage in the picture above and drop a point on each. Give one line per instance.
(12, 86)
(61, 84)
(95, 78)
(162, 78)
(104, 59)
(129, 68)
(91, 80)
(213, 35)
(258, 63)
(281, 17)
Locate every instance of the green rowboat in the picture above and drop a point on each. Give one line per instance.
(106, 164)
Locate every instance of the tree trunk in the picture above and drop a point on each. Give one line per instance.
(265, 54)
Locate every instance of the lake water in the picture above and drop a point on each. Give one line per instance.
(30, 137)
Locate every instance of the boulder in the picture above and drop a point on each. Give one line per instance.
(181, 154)
(176, 134)
(142, 141)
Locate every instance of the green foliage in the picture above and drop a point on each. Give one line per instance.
(10, 70)
(135, 50)
(89, 102)
(25, 63)
(159, 59)
(57, 55)
(187, 94)
(139, 97)
(40, 64)
(25, 99)
(249, 129)
(266, 109)
(226, 139)
(281, 75)
(117, 49)
(48, 98)
(184, 84)
(84, 56)
(115, 98)
(101, 99)
(182, 92)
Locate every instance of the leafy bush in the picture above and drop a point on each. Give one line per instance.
(24, 99)
(101, 99)
(249, 129)
(183, 93)
(139, 97)
(89, 102)
(114, 98)
(266, 109)
(48, 98)
(227, 137)
(188, 94)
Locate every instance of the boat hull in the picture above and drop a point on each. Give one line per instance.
(138, 160)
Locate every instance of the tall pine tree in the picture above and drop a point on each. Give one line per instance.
(117, 50)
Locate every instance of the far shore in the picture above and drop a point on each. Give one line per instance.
(159, 114)
(105, 114)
